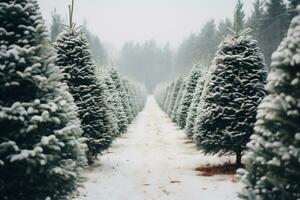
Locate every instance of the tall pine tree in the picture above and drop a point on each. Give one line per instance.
(41, 152)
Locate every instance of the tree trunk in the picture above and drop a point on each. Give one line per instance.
(238, 163)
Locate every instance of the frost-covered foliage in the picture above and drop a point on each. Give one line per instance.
(115, 75)
(75, 60)
(114, 101)
(273, 161)
(132, 96)
(173, 95)
(187, 97)
(41, 150)
(178, 101)
(136, 94)
(226, 114)
(192, 112)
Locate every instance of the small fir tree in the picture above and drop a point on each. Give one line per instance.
(188, 96)
(192, 113)
(178, 101)
(121, 91)
(173, 95)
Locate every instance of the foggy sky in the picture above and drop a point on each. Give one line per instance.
(118, 21)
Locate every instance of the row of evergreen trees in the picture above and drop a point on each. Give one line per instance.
(217, 108)
(56, 112)
(229, 112)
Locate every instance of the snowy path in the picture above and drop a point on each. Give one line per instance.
(154, 162)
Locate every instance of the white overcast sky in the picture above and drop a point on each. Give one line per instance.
(118, 21)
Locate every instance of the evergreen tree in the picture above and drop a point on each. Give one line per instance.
(114, 100)
(192, 113)
(74, 58)
(124, 98)
(122, 120)
(174, 94)
(56, 26)
(188, 96)
(274, 150)
(166, 98)
(41, 150)
(178, 101)
(130, 96)
(170, 97)
(226, 115)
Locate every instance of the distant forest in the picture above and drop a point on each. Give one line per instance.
(152, 63)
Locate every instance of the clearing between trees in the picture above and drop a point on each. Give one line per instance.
(154, 160)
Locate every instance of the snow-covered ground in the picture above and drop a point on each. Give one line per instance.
(153, 161)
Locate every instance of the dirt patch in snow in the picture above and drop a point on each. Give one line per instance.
(226, 169)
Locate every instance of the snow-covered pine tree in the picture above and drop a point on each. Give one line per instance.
(138, 102)
(192, 113)
(187, 97)
(124, 100)
(41, 150)
(173, 95)
(113, 99)
(178, 100)
(273, 161)
(75, 60)
(226, 116)
(130, 96)
(166, 97)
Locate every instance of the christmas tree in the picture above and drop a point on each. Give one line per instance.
(192, 113)
(75, 60)
(187, 97)
(123, 96)
(173, 95)
(226, 116)
(41, 150)
(274, 150)
(178, 100)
